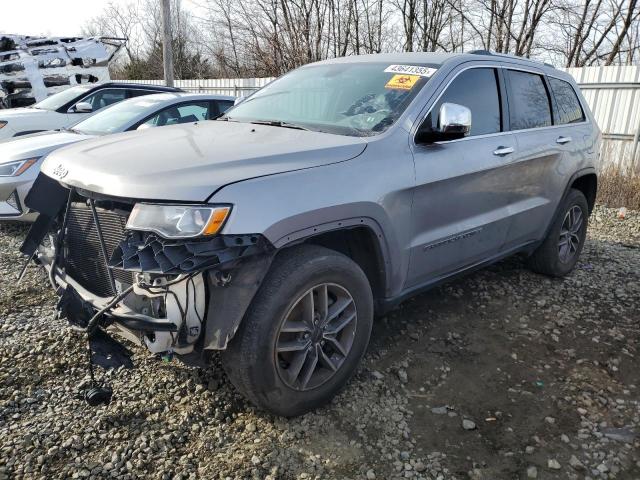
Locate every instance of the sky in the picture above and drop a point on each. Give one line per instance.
(59, 18)
(49, 17)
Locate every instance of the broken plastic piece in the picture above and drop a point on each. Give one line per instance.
(107, 352)
(146, 252)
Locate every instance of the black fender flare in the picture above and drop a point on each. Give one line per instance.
(381, 243)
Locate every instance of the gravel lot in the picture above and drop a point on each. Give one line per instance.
(503, 374)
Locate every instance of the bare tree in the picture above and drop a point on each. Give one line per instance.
(271, 37)
(595, 31)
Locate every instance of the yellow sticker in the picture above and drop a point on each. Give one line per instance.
(402, 82)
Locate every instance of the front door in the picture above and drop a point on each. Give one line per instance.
(463, 187)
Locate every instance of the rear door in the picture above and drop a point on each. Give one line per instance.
(575, 132)
(463, 187)
(538, 164)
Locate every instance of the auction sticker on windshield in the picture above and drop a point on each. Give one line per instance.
(411, 70)
(402, 82)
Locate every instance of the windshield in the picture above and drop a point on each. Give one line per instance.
(358, 99)
(55, 101)
(118, 117)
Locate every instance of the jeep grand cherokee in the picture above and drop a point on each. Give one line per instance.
(275, 233)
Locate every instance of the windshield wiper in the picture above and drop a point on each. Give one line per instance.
(278, 123)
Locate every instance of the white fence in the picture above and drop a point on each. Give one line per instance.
(613, 94)
(238, 87)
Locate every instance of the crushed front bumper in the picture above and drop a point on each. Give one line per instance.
(227, 271)
(121, 319)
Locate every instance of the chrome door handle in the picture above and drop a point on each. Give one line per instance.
(563, 140)
(502, 151)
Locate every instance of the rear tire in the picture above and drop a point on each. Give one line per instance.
(283, 356)
(559, 253)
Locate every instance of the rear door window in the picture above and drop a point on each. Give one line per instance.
(476, 89)
(569, 108)
(224, 105)
(194, 112)
(529, 105)
(185, 113)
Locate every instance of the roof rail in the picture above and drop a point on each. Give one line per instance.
(489, 52)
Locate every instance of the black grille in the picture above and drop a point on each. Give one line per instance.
(84, 261)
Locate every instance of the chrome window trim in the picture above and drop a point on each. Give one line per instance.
(525, 69)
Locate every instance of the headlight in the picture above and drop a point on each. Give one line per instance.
(3, 123)
(13, 169)
(178, 221)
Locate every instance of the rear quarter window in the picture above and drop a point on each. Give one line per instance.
(529, 105)
(569, 108)
(224, 105)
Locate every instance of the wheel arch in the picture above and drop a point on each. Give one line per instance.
(584, 180)
(587, 183)
(361, 243)
(360, 239)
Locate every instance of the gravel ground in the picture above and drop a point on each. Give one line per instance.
(503, 374)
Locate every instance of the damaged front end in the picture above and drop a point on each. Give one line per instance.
(174, 296)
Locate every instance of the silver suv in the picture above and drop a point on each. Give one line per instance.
(276, 233)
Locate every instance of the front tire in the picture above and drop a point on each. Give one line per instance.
(304, 333)
(559, 253)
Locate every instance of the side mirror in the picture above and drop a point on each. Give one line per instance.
(144, 126)
(454, 122)
(83, 107)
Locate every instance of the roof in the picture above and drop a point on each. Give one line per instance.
(139, 86)
(170, 96)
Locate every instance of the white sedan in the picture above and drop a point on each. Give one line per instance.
(70, 106)
(20, 158)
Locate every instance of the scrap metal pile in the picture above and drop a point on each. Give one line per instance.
(31, 68)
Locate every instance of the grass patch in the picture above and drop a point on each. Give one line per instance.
(619, 188)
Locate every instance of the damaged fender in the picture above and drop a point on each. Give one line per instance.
(229, 303)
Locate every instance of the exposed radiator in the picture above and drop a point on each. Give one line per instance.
(84, 261)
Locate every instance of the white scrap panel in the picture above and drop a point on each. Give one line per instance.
(31, 68)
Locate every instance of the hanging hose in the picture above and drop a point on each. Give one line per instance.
(93, 322)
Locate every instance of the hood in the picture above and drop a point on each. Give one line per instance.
(10, 114)
(190, 162)
(36, 145)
